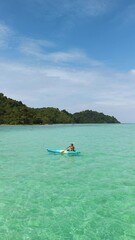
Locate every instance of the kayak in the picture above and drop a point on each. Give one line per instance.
(63, 151)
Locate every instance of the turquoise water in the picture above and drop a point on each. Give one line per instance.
(46, 196)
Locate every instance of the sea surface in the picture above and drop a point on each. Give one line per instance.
(46, 196)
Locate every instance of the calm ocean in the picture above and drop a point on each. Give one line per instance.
(46, 196)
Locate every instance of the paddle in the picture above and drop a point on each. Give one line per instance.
(64, 150)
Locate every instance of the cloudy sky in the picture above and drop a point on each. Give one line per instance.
(69, 54)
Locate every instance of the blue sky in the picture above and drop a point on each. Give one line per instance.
(69, 54)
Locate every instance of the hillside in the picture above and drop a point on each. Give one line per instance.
(14, 112)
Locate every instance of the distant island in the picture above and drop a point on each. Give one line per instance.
(14, 112)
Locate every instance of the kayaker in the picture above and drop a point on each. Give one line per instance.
(71, 147)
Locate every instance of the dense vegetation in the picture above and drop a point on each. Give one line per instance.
(15, 112)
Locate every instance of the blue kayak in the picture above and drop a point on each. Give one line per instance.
(63, 151)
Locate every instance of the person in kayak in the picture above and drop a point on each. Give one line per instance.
(71, 147)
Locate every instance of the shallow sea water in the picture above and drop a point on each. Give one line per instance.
(46, 196)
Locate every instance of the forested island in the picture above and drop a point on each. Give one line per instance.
(14, 112)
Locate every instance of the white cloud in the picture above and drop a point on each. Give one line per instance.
(126, 16)
(68, 88)
(5, 34)
(65, 79)
(28, 45)
(129, 14)
(69, 9)
(93, 7)
(132, 71)
(43, 50)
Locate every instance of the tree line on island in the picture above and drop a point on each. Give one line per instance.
(14, 112)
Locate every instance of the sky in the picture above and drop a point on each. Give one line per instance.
(69, 54)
